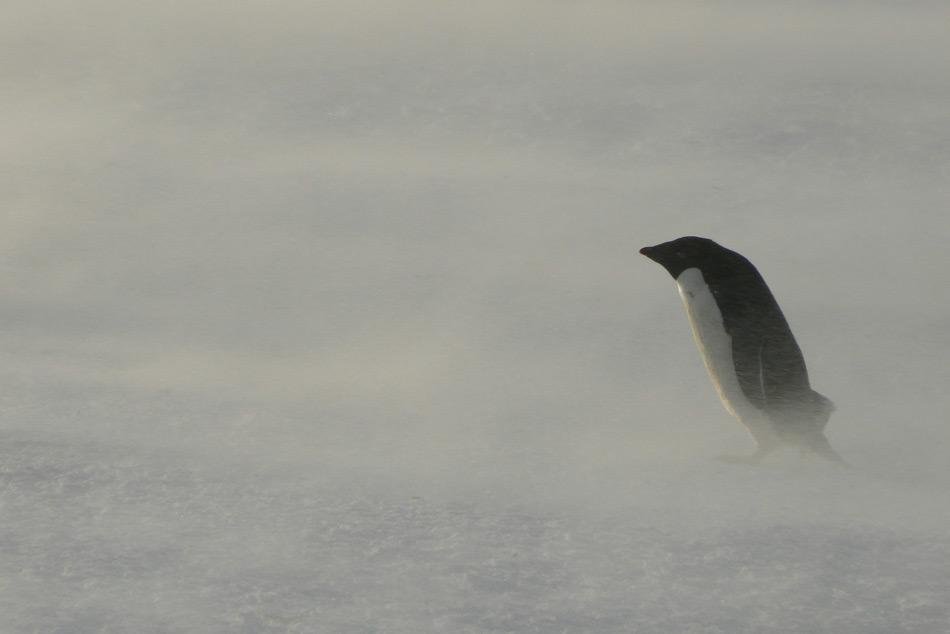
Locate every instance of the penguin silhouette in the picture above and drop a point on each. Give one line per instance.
(752, 357)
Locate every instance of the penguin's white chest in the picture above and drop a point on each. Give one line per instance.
(714, 342)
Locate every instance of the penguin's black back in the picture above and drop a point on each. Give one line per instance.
(769, 363)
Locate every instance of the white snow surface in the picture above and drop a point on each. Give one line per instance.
(328, 317)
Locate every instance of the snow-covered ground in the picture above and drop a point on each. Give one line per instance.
(329, 317)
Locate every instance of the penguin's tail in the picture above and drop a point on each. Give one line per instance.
(823, 409)
(820, 445)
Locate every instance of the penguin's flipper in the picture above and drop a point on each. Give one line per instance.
(770, 368)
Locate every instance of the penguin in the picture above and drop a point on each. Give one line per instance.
(748, 348)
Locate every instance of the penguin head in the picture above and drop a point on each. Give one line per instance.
(683, 253)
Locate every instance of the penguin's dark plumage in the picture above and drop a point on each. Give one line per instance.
(748, 348)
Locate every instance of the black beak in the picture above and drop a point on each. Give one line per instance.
(648, 251)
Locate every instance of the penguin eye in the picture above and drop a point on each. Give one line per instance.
(681, 255)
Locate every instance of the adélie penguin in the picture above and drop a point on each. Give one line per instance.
(751, 355)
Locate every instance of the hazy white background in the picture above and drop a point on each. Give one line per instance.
(329, 317)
